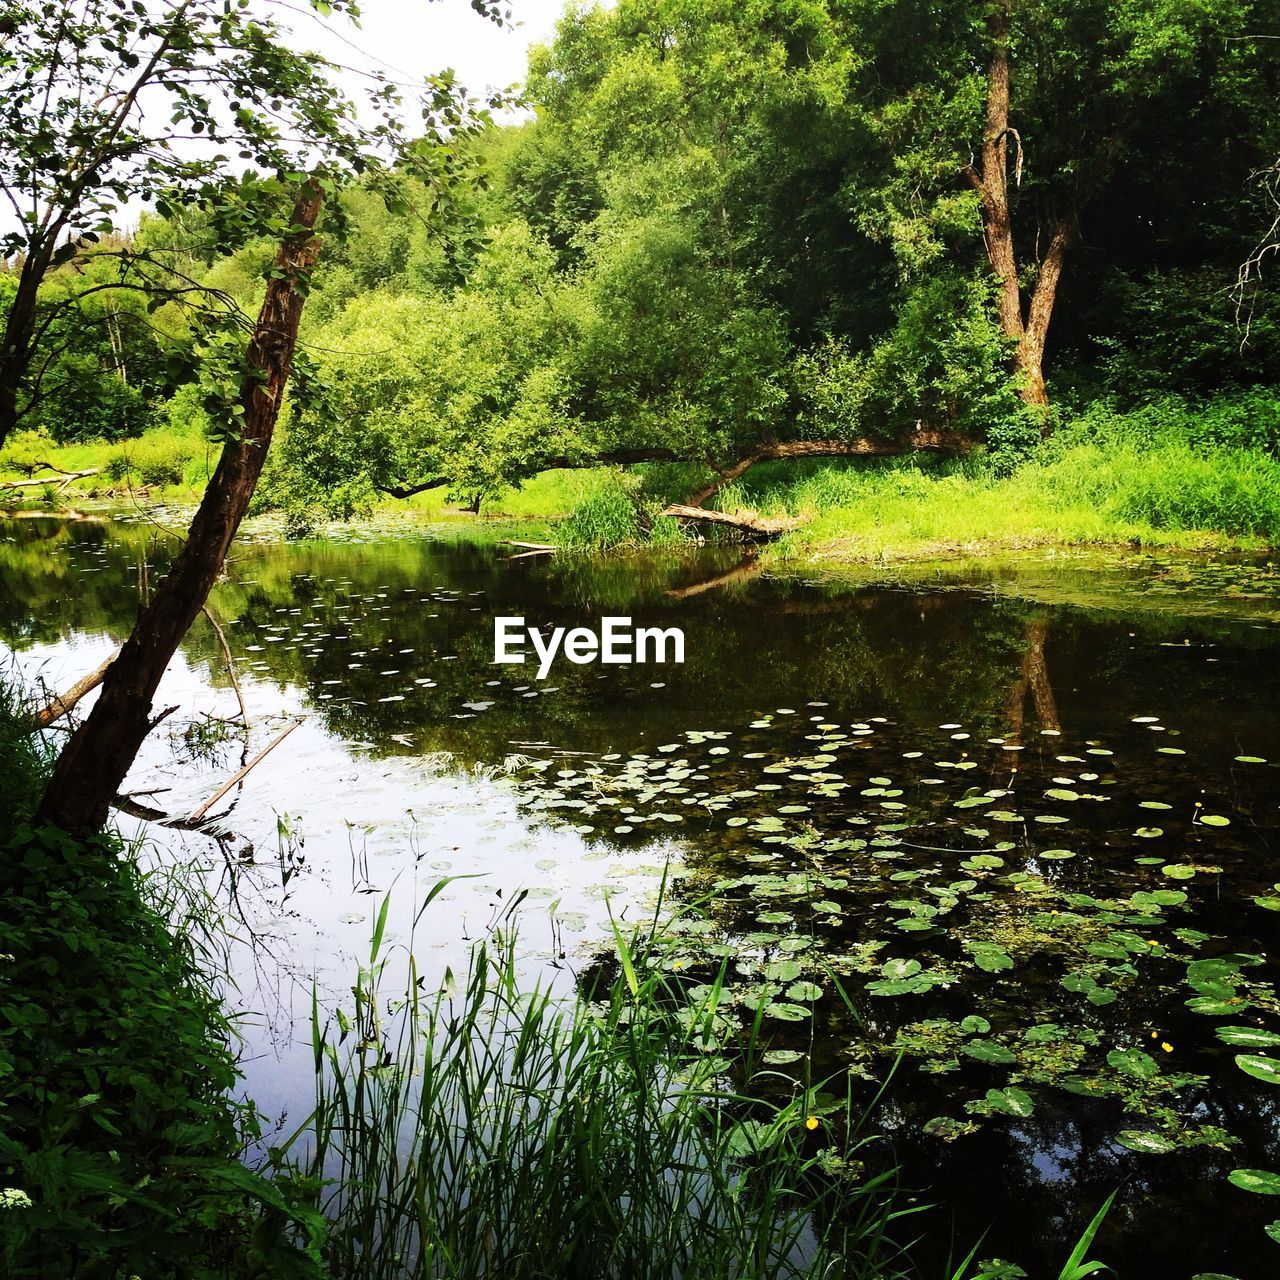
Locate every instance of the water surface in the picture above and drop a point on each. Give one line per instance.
(1024, 813)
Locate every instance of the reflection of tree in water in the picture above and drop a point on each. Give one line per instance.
(1032, 680)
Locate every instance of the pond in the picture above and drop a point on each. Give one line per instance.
(1024, 815)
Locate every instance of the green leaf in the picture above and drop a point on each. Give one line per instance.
(1248, 1037)
(988, 1051)
(1011, 1101)
(1259, 1067)
(1076, 1268)
(1146, 1142)
(1133, 1062)
(1261, 1182)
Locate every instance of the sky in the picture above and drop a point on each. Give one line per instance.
(407, 40)
(413, 38)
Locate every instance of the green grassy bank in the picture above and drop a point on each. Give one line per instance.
(1170, 475)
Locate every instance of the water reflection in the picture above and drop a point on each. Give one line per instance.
(1134, 689)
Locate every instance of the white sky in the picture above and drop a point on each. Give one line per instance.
(413, 38)
(408, 40)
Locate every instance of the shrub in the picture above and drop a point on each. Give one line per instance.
(120, 1143)
(83, 401)
(155, 459)
(116, 1066)
(609, 516)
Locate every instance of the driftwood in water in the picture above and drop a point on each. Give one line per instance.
(199, 813)
(64, 702)
(753, 526)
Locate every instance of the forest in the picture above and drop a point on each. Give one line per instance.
(912, 369)
(729, 235)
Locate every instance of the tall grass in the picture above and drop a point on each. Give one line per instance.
(504, 1131)
(489, 1129)
(620, 510)
(25, 757)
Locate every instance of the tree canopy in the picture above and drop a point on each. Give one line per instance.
(726, 231)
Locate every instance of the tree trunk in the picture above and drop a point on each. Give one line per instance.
(15, 347)
(920, 441)
(100, 752)
(1026, 329)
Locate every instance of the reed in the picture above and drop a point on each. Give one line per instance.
(496, 1129)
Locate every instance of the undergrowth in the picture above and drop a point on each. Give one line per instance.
(120, 1140)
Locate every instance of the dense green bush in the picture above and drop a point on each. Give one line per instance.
(622, 509)
(153, 460)
(85, 402)
(120, 1143)
(1247, 419)
(944, 365)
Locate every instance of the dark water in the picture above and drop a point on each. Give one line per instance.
(1025, 816)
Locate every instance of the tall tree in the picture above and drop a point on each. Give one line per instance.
(102, 749)
(1037, 107)
(107, 103)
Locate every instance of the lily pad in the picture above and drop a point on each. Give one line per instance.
(1261, 1182)
(1259, 1067)
(1146, 1142)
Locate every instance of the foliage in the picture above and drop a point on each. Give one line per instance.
(120, 1143)
(466, 383)
(117, 101)
(469, 1123)
(26, 759)
(618, 509)
(944, 365)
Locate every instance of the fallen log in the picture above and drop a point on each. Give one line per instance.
(64, 702)
(922, 440)
(66, 478)
(197, 814)
(753, 526)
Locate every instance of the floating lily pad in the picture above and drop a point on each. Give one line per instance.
(1259, 1067)
(1146, 1142)
(1261, 1182)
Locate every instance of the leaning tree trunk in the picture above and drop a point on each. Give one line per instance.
(101, 751)
(16, 341)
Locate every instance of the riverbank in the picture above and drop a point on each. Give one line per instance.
(1165, 477)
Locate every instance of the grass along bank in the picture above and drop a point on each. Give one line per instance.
(120, 1131)
(1169, 475)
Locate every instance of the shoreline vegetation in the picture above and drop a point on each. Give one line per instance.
(629, 1133)
(1167, 477)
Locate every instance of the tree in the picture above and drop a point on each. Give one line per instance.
(1039, 108)
(101, 750)
(105, 103)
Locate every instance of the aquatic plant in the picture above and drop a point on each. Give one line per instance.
(498, 1128)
